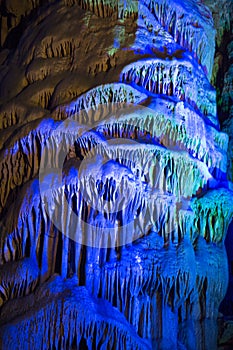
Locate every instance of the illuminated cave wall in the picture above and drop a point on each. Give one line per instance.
(116, 192)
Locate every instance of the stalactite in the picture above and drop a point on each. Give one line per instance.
(115, 201)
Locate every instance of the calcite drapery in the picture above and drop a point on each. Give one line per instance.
(147, 115)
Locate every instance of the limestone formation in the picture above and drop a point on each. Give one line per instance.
(115, 200)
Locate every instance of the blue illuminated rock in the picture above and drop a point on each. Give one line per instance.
(115, 201)
(83, 321)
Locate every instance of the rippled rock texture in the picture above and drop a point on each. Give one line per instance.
(115, 201)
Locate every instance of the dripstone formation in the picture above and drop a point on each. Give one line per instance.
(115, 200)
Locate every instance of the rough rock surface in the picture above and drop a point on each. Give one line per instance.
(223, 68)
(115, 201)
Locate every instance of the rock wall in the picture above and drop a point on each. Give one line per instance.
(115, 201)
